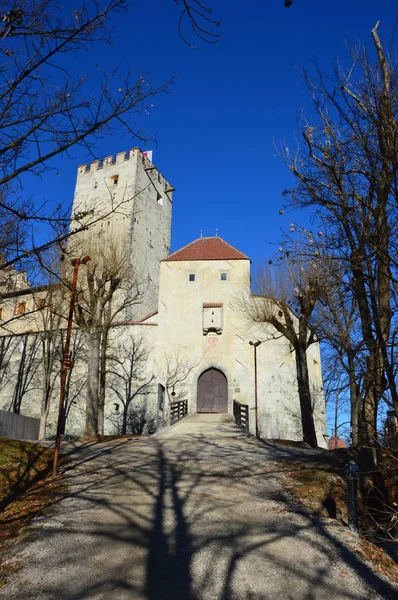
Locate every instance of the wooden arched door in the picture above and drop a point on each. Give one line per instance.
(212, 394)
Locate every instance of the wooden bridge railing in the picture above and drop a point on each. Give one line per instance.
(241, 415)
(178, 410)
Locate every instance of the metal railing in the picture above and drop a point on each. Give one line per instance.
(178, 410)
(241, 415)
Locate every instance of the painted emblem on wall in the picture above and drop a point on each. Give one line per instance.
(211, 341)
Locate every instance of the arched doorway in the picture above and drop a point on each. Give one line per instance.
(212, 394)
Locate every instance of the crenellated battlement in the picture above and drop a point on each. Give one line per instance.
(108, 161)
(122, 157)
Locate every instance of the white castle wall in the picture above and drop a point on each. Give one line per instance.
(135, 211)
(144, 404)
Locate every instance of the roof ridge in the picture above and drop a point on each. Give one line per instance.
(183, 248)
(206, 246)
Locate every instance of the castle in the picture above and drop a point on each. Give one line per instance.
(185, 337)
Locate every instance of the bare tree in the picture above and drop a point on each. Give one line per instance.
(346, 173)
(198, 16)
(7, 346)
(178, 368)
(47, 109)
(75, 383)
(50, 307)
(336, 321)
(27, 368)
(286, 299)
(107, 287)
(129, 381)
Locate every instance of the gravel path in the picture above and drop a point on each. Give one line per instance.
(197, 512)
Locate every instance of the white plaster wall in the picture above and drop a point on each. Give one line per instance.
(181, 327)
(180, 319)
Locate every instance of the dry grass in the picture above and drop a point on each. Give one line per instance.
(26, 490)
(318, 487)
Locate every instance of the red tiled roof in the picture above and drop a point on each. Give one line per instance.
(208, 248)
(340, 443)
(212, 304)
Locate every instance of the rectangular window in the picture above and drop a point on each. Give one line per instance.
(223, 277)
(192, 277)
(20, 309)
(40, 303)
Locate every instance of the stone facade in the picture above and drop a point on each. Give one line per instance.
(194, 323)
(132, 202)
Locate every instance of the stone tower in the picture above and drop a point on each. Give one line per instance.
(133, 203)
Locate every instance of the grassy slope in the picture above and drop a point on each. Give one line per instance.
(25, 489)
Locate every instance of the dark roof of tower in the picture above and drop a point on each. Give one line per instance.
(208, 248)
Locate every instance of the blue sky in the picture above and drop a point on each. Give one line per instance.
(216, 131)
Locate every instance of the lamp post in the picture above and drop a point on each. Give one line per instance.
(255, 346)
(66, 362)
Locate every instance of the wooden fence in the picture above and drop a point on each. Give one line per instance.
(178, 410)
(241, 415)
(18, 427)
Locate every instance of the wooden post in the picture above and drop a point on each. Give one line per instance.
(255, 345)
(65, 365)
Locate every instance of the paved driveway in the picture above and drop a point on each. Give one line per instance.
(198, 512)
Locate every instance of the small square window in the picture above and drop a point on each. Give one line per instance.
(192, 277)
(223, 277)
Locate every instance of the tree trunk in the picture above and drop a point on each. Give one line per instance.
(307, 417)
(336, 418)
(125, 417)
(45, 409)
(93, 363)
(354, 403)
(102, 379)
(373, 391)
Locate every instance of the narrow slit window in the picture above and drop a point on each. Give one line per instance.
(20, 309)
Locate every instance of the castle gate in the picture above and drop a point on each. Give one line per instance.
(212, 392)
